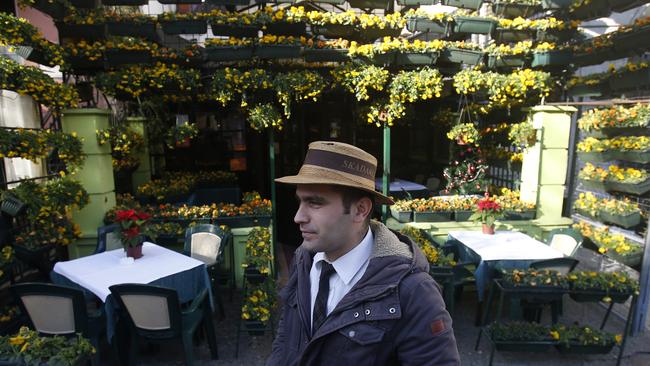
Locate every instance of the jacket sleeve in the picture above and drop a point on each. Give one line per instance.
(425, 335)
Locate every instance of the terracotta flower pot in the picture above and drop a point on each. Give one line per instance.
(488, 230)
(134, 252)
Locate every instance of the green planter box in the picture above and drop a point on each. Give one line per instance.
(228, 53)
(415, 59)
(462, 56)
(512, 10)
(555, 35)
(277, 51)
(371, 34)
(417, 2)
(597, 295)
(80, 64)
(630, 260)
(130, 29)
(384, 59)
(628, 81)
(439, 216)
(286, 28)
(368, 4)
(126, 57)
(626, 221)
(254, 327)
(508, 61)
(584, 349)
(184, 26)
(474, 25)
(465, 4)
(460, 216)
(584, 90)
(234, 31)
(620, 6)
(552, 58)
(519, 216)
(591, 10)
(507, 35)
(79, 31)
(638, 189)
(598, 157)
(334, 30)
(632, 42)
(401, 216)
(421, 24)
(55, 10)
(325, 55)
(523, 346)
(593, 185)
(619, 131)
(633, 156)
(556, 4)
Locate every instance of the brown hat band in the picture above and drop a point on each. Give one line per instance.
(340, 162)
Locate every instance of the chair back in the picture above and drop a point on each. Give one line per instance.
(52, 309)
(150, 309)
(433, 183)
(562, 265)
(108, 238)
(565, 240)
(205, 243)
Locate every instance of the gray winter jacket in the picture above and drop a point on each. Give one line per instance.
(394, 315)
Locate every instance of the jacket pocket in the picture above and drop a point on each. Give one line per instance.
(363, 334)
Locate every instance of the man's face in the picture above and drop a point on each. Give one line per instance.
(323, 224)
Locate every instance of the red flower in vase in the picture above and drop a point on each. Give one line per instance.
(134, 226)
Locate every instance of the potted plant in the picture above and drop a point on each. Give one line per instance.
(463, 207)
(616, 121)
(326, 51)
(514, 208)
(28, 348)
(487, 211)
(615, 246)
(624, 213)
(231, 49)
(271, 46)
(402, 210)
(242, 25)
(134, 227)
(520, 336)
(464, 134)
(534, 278)
(258, 256)
(506, 56)
(583, 339)
(180, 136)
(433, 209)
(587, 286)
(256, 310)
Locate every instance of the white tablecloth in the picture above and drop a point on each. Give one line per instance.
(505, 245)
(100, 271)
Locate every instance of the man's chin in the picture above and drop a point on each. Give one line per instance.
(311, 246)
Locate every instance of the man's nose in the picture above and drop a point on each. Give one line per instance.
(300, 216)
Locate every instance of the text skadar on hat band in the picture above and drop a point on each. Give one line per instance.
(336, 163)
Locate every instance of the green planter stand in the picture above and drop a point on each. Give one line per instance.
(507, 35)
(228, 53)
(422, 24)
(130, 29)
(435, 216)
(626, 221)
(465, 4)
(184, 26)
(508, 61)
(277, 51)
(552, 58)
(234, 31)
(334, 30)
(474, 25)
(325, 55)
(462, 56)
(512, 10)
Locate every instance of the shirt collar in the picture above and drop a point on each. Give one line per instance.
(349, 264)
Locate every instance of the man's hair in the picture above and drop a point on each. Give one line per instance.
(351, 195)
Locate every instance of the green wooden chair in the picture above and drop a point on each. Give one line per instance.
(566, 240)
(154, 313)
(206, 243)
(108, 238)
(60, 310)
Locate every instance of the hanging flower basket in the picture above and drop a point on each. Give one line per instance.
(277, 51)
(54, 9)
(422, 24)
(432, 216)
(131, 29)
(286, 29)
(189, 26)
(556, 4)
(513, 10)
(465, 4)
(228, 53)
(234, 31)
(576, 348)
(552, 58)
(462, 56)
(334, 30)
(474, 25)
(79, 31)
(125, 2)
(116, 57)
(626, 221)
(507, 35)
(369, 4)
(325, 55)
(39, 57)
(401, 216)
(619, 131)
(508, 61)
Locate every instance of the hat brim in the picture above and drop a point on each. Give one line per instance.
(298, 179)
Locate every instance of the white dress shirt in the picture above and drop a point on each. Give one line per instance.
(349, 269)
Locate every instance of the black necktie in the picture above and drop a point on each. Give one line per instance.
(320, 306)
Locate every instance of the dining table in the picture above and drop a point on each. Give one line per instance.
(158, 266)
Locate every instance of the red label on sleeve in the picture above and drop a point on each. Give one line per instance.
(437, 327)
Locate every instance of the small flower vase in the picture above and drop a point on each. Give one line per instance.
(488, 229)
(134, 252)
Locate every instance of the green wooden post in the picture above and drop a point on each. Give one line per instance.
(96, 175)
(273, 199)
(544, 168)
(386, 173)
(143, 173)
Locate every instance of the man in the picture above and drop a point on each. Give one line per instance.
(358, 293)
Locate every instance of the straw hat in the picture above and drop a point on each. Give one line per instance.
(330, 162)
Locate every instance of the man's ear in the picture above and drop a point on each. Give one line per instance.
(363, 209)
